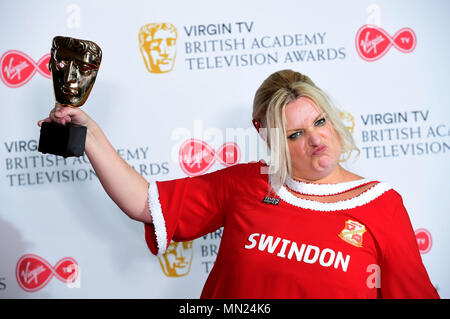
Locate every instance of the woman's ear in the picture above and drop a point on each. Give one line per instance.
(256, 124)
(261, 130)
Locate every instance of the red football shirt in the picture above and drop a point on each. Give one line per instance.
(277, 245)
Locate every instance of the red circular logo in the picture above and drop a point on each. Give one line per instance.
(33, 272)
(17, 68)
(196, 156)
(424, 240)
(372, 42)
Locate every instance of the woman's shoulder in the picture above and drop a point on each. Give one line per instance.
(387, 192)
(381, 187)
(245, 171)
(245, 168)
(370, 189)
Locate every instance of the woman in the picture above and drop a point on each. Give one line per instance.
(309, 229)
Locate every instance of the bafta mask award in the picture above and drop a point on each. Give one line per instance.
(74, 66)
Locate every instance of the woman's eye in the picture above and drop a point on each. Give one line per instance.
(295, 135)
(320, 122)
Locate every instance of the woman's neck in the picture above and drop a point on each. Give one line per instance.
(338, 175)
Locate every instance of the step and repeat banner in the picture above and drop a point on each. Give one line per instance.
(183, 73)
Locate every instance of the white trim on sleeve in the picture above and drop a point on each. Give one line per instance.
(157, 218)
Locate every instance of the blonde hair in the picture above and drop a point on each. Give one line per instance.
(271, 98)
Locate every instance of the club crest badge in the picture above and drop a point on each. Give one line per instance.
(353, 233)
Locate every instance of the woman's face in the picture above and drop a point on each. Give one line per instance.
(313, 142)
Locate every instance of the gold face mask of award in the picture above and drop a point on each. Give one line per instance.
(74, 65)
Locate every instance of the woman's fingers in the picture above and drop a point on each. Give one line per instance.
(63, 114)
(60, 114)
(44, 120)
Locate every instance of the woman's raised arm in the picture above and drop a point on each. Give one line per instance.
(126, 187)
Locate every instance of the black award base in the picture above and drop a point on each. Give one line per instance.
(64, 140)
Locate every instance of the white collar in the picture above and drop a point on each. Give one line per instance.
(360, 200)
(323, 189)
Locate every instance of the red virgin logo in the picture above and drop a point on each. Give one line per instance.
(424, 240)
(372, 42)
(196, 156)
(17, 68)
(34, 273)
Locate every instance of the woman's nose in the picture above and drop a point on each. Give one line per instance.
(314, 139)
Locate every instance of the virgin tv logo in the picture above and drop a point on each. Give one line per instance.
(196, 156)
(34, 273)
(372, 42)
(424, 240)
(17, 68)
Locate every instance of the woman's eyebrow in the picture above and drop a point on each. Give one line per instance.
(318, 117)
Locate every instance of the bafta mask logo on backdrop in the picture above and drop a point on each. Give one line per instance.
(158, 45)
(17, 68)
(349, 122)
(196, 156)
(372, 42)
(177, 260)
(34, 273)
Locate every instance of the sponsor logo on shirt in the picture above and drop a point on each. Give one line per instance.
(305, 253)
(353, 233)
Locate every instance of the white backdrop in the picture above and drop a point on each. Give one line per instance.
(52, 208)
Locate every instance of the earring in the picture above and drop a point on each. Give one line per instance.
(256, 124)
